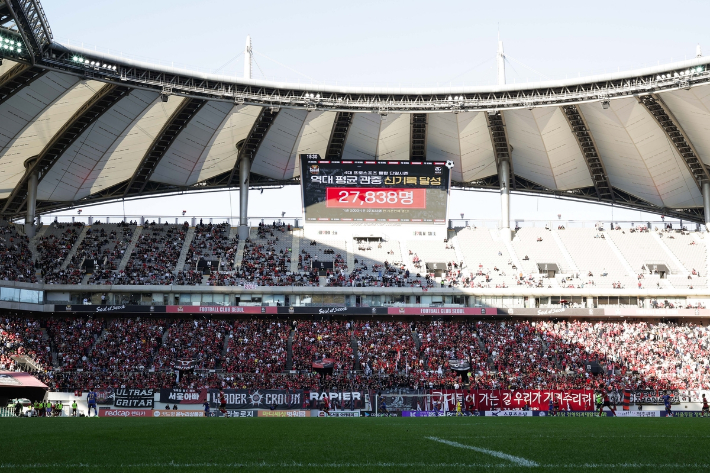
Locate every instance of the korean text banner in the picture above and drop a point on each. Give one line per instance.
(183, 396)
(487, 399)
(375, 191)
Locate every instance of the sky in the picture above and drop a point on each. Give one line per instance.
(367, 43)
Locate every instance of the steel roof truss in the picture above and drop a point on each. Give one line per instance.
(172, 128)
(589, 150)
(338, 135)
(676, 136)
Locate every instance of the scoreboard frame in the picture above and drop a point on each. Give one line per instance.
(375, 192)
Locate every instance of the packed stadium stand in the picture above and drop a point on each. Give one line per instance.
(521, 355)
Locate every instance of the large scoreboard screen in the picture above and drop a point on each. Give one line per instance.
(374, 191)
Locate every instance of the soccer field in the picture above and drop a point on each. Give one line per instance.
(363, 444)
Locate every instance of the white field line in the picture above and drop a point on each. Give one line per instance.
(604, 466)
(517, 460)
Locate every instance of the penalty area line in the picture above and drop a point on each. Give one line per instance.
(517, 460)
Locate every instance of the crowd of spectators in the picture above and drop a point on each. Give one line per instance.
(257, 346)
(154, 257)
(254, 353)
(22, 336)
(198, 341)
(15, 256)
(315, 340)
(73, 339)
(52, 251)
(211, 244)
(128, 345)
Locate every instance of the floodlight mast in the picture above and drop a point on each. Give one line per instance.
(245, 162)
(247, 59)
(503, 165)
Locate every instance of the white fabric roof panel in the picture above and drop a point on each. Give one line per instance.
(668, 171)
(72, 176)
(313, 139)
(221, 154)
(638, 156)
(464, 139)
(529, 154)
(395, 137)
(566, 160)
(442, 141)
(31, 135)
(272, 158)
(622, 160)
(119, 163)
(477, 158)
(180, 160)
(361, 143)
(692, 110)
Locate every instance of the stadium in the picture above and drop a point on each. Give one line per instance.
(372, 305)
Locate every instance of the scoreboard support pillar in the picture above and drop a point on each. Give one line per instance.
(706, 204)
(504, 178)
(244, 172)
(31, 205)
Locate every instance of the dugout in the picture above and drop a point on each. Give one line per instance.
(15, 385)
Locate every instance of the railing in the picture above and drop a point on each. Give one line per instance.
(295, 221)
(192, 220)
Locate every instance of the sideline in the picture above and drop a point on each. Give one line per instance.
(502, 466)
(517, 460)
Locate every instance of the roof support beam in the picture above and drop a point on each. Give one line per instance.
(40, 165)
(589, 150)
(417, 150)
(251, 145)
(338, 135)
(178, 121)
(16, 78)
(675, 134)
(499, 138)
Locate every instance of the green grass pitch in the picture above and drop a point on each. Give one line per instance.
(362, 445)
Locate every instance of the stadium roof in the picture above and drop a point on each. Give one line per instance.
(96, 127)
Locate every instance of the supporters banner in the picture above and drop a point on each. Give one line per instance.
(654, 396)
(442, 311)
(130, 397)
(259, 398)
(352, 400)
(183, 396)
(487, 399)
(218, 309)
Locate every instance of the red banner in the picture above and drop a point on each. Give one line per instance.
(218, 309)
(441, 311)
(536, 399)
